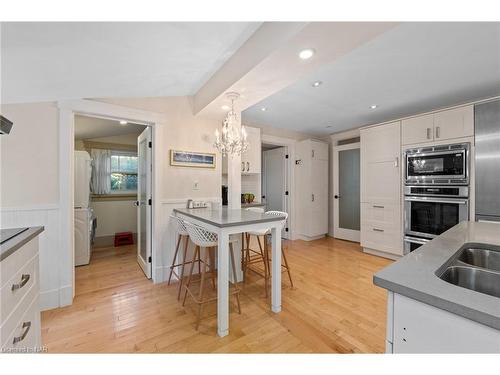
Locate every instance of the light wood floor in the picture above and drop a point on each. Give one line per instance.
(334, 308)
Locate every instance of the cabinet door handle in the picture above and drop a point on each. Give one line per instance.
(377, 230)
(396, 162)
(243, 166)
(312, 197)
(428, 133)
(438, 131)
(24, 279)
(375, 206)
(248, 166)
(312, 153)
(26, 327)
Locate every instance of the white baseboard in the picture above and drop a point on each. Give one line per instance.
(381, 254)
(307, 238)
(54, 298)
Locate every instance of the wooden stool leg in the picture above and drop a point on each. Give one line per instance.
(263, 255)
(266, 265)
(212, 266)
(286, 266)
(243, 251)
(181, 277)
(231, 255)
(196, 251)
(175, 257)
(202, 285)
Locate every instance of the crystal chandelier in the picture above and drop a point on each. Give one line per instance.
(233, 140)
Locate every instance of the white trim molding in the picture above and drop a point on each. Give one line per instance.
(67, 111)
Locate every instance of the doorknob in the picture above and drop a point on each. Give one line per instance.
(336, 196)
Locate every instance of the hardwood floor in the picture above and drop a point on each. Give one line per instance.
(334, 308)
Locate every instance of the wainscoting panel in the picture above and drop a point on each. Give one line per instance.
(50, 248)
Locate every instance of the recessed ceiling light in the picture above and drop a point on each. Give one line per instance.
(263, 109)
(306, 53)
(373, 106)
(225, 108)
(317, 83)
(123, 122)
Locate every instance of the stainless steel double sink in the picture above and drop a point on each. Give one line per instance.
(475, 267)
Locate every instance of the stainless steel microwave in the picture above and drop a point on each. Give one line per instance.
(443, 165)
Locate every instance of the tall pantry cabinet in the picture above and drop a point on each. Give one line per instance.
(381, 222)
(311, 175)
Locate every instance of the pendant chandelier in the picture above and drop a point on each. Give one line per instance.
(232, 140)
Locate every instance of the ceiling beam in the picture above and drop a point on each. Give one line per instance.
(267, 63)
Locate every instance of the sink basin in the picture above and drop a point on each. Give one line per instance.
(483, 258)
(479, 280)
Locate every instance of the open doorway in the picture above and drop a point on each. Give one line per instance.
(275, 181)
(112, 191)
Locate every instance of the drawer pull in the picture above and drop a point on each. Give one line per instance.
(377, 230)
(24, 280)
(26, 327)
(378, 206)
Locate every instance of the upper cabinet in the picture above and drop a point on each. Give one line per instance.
(450, 124)
(251, 159)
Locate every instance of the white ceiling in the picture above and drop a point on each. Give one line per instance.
(412, 68)
(53, 61)
(92, 127)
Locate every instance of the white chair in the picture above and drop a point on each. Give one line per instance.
(206, 242)
(182, 234)
(252, 257)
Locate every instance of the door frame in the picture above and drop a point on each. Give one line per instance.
(289, 145)
(341, 233)
(67, 111)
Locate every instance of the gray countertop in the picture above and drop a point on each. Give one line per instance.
(9, 247)
(225, 217)
(415, 276)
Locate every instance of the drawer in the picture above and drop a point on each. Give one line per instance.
(382, 237)
(380, 213)
(9, 325)
(14, 262)
(22, 281)
(26, 336)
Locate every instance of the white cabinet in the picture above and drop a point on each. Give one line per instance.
(415, 327)
(312, 189)
(449, 124)
(20, 328)
(251, 159)
(381, 228)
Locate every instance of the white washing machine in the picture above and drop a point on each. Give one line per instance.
(85, 224)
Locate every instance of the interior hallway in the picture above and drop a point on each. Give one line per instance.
(334, 308)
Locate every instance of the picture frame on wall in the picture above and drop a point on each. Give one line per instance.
(192, 159)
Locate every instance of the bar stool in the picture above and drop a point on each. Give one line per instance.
(182, 235)
(263, 255)
(206, 242)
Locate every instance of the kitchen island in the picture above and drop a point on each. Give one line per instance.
(426, 313)
(224, 222)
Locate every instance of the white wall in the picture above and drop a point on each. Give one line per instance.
(29, 156)
(30, 180)
(114, 217)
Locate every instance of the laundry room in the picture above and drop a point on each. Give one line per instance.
(105, 189)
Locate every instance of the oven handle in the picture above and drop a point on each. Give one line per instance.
(436, 200)
(419, 241)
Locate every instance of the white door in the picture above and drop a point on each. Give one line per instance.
(275, 180)
(346, 190)
(144, 201)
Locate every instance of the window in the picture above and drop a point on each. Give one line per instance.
(123, 172)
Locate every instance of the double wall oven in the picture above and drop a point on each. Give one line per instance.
(436, 192)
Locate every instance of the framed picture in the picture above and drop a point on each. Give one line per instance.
(192, 159)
